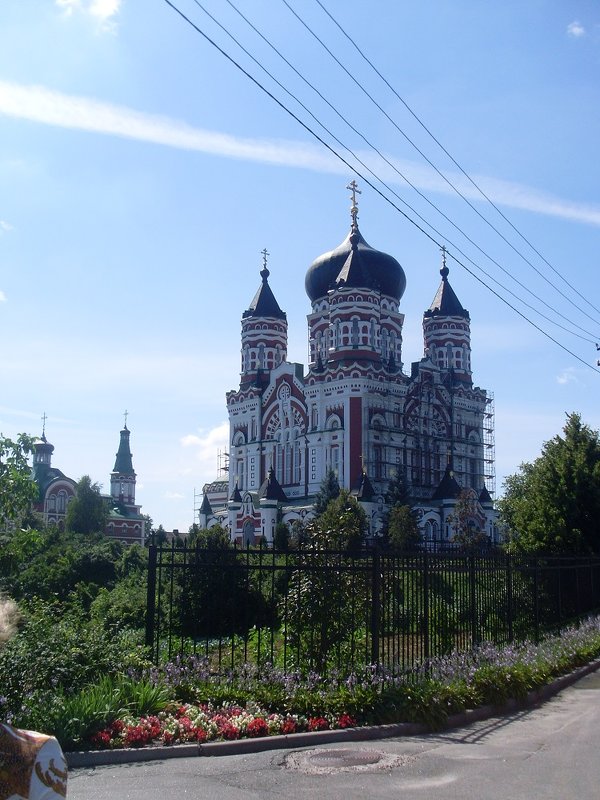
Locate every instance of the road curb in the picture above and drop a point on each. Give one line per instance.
(96, 758)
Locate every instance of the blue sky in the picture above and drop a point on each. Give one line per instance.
(141, 175)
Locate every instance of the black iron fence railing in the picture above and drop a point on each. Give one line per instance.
(313, 609)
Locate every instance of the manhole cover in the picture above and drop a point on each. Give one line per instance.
(325, 761)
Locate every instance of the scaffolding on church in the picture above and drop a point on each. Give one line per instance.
(423, 462)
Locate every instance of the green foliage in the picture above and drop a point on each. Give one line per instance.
(402, 529)
(281, 540)
(51, 564)
(58, 652)
(342, 525)
(398, 493)
(329, 490)
(124, 605)
(17, 490)
(553, 504)
(466, 522)
(87, 512)
(73, 719)
(217, 596)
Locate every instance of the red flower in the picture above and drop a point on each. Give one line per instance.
(289, 726)
(200, 735)
(318, 724)
(346, 721)
(229, 731)
(102, 738)
(258, 727)
(117, 727)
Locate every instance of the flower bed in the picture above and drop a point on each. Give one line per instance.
(203, 723)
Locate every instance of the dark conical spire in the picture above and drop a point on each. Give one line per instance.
(446, 303)
(271, 489)
(206, 507)
(448, 488)
(264, 303)
(123, 461)
(366, 492)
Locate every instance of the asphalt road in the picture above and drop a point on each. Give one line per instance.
(545, 753)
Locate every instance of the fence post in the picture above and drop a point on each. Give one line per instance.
(473, 600)
(375, 605)
(151, 597)
(509, 596)
(426, 603)
(536, 591)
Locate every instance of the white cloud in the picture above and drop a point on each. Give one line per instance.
(208, 442)
(206, 445)
(575, 29)
(173, 496)
(2, 297)
(38, 104)
(68, 6)
(102, 11)
(5, 226)
(568, 375)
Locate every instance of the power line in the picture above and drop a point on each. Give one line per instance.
(269, 94)
(454, 161)
(589, 337)
(428, 160)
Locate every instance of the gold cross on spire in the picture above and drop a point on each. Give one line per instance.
(353, 186)
(126, 414)
(44, 418)
(443, 249)
(264, 255)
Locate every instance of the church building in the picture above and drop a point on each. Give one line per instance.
(56, 490)
(356, 410)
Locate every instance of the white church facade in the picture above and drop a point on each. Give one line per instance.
(355, 410)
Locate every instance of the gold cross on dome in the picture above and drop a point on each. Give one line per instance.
(44, 418)
(126, 414)
(264, 255)
(353, 186)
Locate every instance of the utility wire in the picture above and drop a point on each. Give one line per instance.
(454, 161)
(276, 100)
(428, 160)
(585, 338)
(376, 177)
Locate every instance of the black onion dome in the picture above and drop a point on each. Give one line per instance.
(378, 270)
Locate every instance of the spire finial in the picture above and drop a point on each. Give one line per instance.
(444, 270)
(264, 271)
(44, 418)
(353, 186)
(126, 414)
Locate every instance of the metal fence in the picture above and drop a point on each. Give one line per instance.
(313, 609)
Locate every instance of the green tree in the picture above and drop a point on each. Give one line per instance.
(402, 529)
(87, 512)
(398, 493)
(466, 521)
(553, 504)
(17, 489)
(329, 490)
(397, 496)
(281, 540)
(322, 611)
(343, 524)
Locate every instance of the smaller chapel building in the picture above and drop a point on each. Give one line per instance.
(56, 490)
